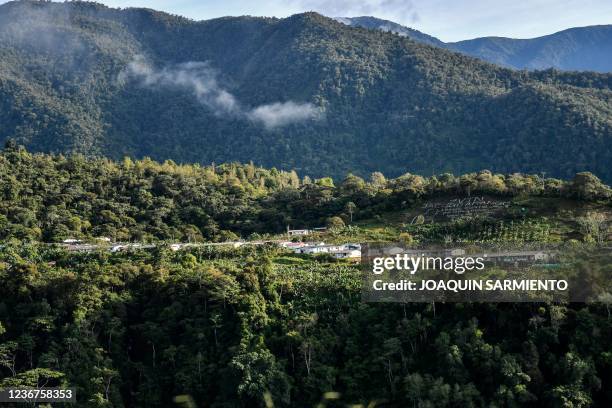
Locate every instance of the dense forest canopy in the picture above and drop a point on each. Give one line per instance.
(257, 326)
(262, 326)
(304, 92)
(51, 198)
(247, 328)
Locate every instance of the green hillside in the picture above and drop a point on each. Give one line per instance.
(53, 198)
(305, 93)
(260, 325)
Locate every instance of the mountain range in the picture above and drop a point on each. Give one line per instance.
(574, 49)
(304, 92)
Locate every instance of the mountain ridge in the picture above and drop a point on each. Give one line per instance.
(573, 49)
(304, 92)
(390, 26)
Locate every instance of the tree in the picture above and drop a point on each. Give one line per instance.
(335, 223)
(378, 180)
(352, 184)
(587, 186)
(468, 183)
(325, 182)
(350, 207)
(594, 225)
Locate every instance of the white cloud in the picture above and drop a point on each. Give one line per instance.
(280, 114)
(200, 79)
(197, 77)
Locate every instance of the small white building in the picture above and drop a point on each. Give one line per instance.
(340, 251)
(298, 232)
(292, 245)
(319, 249)
(302, 232)
(348, 254)
(71, 241)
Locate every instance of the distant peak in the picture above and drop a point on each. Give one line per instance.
(375, 23)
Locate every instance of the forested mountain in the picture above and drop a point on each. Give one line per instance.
(574, 49)
(305, 93)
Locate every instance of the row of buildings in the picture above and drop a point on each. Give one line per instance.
(303, 232)
(338, 251)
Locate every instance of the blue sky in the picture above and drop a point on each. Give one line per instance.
(449, 20)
